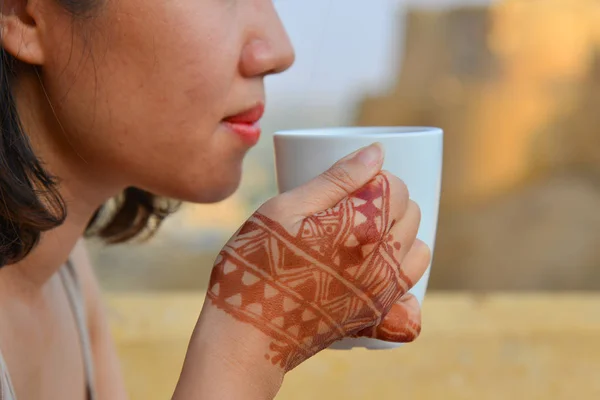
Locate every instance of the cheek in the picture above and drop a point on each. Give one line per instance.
(145, 104)
(179, 80)
(179, 68)
(167, 88)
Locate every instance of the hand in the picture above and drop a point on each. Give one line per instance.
(323, 262)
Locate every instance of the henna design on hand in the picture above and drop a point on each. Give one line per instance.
(337, 276)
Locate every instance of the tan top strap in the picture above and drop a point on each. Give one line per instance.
(7, 392)
(69, 278)
(72, 287)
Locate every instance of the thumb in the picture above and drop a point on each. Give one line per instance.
(343, 178)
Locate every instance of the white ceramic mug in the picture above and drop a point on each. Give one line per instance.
(414, 154)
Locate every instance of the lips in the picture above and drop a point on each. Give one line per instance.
(245, 124)
(249, 117)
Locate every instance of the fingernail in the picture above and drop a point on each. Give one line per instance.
(371, 156)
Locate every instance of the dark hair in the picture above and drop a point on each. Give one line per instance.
(29, 199)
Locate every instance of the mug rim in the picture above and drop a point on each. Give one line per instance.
(360, 131)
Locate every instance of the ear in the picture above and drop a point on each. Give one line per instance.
(20, 34)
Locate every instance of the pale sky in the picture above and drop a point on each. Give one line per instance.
(344, 49)
(443, 3)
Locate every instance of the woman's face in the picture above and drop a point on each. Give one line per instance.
(142, 89)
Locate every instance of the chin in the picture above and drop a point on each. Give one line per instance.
(208, 192)
(194, 182)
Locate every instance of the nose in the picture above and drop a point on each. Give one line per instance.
(269, 50)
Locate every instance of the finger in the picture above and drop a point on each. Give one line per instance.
(365, 216)
(401, 324)
(413, 266)
(345, 177)
(398, 197)
(403, 233)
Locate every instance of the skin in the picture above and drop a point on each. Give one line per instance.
(261, 354)
(273, 277)
(135, 96)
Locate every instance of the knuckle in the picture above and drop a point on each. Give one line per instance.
(327, 193)
(397, 186)
(415, 332)
(340, 178)
(303, 198)
(419, 262)
(427, 254)
(414, 208)
(414, 322)
(399, 195)
(421, 251)
(276, 207)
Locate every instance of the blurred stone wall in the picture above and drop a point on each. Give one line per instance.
(516, 87)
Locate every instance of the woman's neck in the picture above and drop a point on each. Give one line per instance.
(79, 187)
(46, 258)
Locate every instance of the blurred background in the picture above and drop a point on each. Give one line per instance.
(515, 85)
(513, 310)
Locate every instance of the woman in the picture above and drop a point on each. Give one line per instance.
(119, 99)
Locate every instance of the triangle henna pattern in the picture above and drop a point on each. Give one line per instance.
(336, 277)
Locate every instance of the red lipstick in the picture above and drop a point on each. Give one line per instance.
(246, 124)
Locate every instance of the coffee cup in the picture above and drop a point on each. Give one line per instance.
(414, 154)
